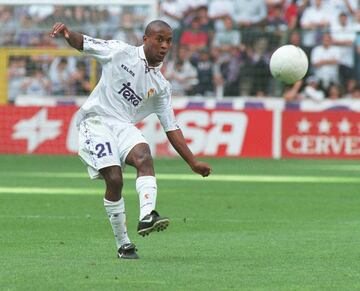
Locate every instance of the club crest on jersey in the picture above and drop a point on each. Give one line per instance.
(129, 94)
(150, 93)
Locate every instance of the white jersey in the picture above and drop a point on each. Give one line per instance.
(128, 90)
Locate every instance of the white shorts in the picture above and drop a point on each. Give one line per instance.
(104, 143)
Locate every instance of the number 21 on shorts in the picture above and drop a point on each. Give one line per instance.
(103, 150)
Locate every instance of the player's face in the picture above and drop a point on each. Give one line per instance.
(156, 45)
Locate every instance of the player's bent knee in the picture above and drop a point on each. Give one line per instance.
(144, 158)
(144, 161)
(112, 177)
(140, 157)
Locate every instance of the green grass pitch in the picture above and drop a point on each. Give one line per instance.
(254, 225)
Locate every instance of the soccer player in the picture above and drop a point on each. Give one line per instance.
(131, 87)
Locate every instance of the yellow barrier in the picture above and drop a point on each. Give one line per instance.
(5, 53)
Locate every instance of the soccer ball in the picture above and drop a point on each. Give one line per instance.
(289, 64)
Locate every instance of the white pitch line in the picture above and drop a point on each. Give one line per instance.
(194, 177)
(350, 168)
(55, 217)
(37, 190)
(184, 177)
(285, 179)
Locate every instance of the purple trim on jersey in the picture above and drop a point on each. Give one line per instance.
(89, 143)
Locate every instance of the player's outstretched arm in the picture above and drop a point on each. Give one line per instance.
(177, 140)
(75, 39)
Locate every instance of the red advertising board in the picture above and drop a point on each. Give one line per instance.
(217, 133)
(36, 130)
(332, 134)
(214, 133)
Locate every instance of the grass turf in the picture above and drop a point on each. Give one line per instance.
(224, 235)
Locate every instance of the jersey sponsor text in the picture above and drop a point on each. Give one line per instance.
(130, 95)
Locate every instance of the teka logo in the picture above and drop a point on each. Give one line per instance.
(130, 95)
(322, 134)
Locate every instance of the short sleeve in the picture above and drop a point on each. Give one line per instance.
(102, 50)
(165, 112)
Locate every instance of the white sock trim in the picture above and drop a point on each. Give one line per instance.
(144, 179)
(120, 203)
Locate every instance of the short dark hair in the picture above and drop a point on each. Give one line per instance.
(156, 24)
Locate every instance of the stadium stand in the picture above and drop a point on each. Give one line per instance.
(227, 47)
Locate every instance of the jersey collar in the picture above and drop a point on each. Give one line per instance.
(143, 57)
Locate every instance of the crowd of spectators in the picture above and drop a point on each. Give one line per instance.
(43, 75)
(221, 47)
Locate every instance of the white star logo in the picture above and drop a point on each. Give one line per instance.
(37, 129)
(303, 125)
(344, 126)
(324, 126)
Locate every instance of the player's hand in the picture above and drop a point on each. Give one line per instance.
(59, 28)
(201, 168)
